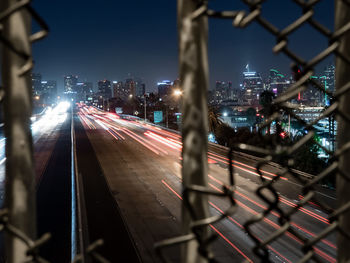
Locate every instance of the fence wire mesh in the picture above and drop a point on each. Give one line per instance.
(279, 153)
(22, 13)
(284, 155)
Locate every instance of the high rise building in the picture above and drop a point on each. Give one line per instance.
(130, 87)
(327, 81)
(36, 83)
(70, 84)
(277, 82)
(49, 87)
(164, 88)
(119, 90)
(84, 89)
(312, 96)
(223, 91)
(49, 91)
(104, 89)
(140, 88)
(252, 86)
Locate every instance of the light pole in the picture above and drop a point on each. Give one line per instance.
(167, 116)
(177, 93)
(145, 107)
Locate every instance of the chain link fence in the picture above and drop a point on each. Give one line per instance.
(16, 38)
(17, 219)
(193, 29)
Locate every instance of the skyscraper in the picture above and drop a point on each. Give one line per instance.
(49, 87)
(49, 91)
(252, 86)
(83, 90)
(164, 88)
(140, 88)
(327, 80)
(104, 89)
(130, 87)
(223, 91)
(36, 83)
(277, 82)
(70, 84)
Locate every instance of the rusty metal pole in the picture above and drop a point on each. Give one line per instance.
(20, 184)
(193, 62)
(342, 16)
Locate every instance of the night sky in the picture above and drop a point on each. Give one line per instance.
(110, 39)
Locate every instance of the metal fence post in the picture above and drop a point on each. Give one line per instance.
(342, 16)
(20, 183)
(193, 61)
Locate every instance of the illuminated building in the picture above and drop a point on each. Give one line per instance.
(277, 82)
(252, 86)
(70, 84)
(104, 89)
(164, 88)
(36, 83)
(223, 91)
(140, 88)
(49, 87)
(119, 90)
(83, 90)
(130, 87)
(312, 96)
(327, 81)
(49, 91)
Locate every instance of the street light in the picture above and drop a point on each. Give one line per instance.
(177, 93)
(144, 95)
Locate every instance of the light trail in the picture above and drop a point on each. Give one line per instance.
(215, 229)
(86, 121)
(231, 244)
(276, 226)
(283, 200)
(326, 242)
(114, 130)
(240, 226)
(102, 125)
(141, 142)
(3, 161)
(89, 122)
(115, 137)
(177, 145)
(246, 165)
(145, 141)
(302, 209)
(241, 168)
(311, 203)
(221, 159)
(163, 140)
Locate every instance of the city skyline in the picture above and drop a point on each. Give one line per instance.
(263, 73)
(95, 42)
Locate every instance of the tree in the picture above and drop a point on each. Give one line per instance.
(265, 100)
(224, 133)
(306, 157)
(214, 119)
(251, 116)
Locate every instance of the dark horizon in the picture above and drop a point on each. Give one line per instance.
(112, 40)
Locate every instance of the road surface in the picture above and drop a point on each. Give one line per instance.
(142, 165)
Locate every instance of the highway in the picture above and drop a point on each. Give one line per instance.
(45, 129)
(142, 165)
